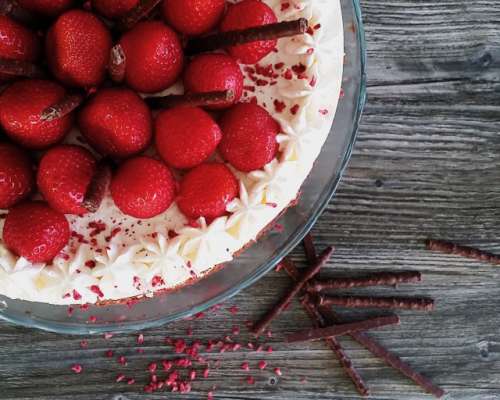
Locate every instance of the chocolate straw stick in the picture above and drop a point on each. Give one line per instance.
(141, 11)
(117, 64)
(19, 68)
(463, 251)
(222, 40)
(342, 329)
(309, 249)
(64, 107)
(391, 303)
(192, 99)
(261, 325)
(98, 187)
(393, 360)
(374, 347)
(378, 279)
(334, 345)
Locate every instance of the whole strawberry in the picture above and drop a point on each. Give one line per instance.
(143, 187)
(21, 105)
(114, 8)
(214, 72)
(186, 136)
(249, 137)
(78, 47)
(35, 231)
(206, 190)
(154, 57)
(17, 43)
(249, 14)
(193, 17)
(16, 175)
(116, 122)
(64, 175)
(46, 7)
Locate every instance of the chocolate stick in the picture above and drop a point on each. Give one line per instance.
(391, 303)
(117, 64)
(98, 187)
(261, 325)
(463, 251)
(222, 40)
(64, 107)
(19, 68)
(342, 329)
(374, 347)
(334, 345)
(141, 11)
(192, 99)
(309, 249)
(393, 360)
(377, 279)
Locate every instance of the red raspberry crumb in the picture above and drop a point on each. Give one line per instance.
(120, 377)
(192, 375)
(167, 365)
(245, 366)
(108, 336)
(122, 360)
(152, 367)
(140, 339)
(269, 349)
(233, 309)
(279, 106)
(294, 109)
(84, 344)
(277, 371)
(130, 381)
(92, 319)
(323, 112)
(250, 380)
(109, 353)
(95, 289)
(262, 365)
(77, 368)
(206, 372)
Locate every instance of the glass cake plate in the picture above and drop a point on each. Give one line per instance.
(261, 257)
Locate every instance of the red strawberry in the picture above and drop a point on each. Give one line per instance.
(63, 177)
(20, 107)
(213, 72)
(46, 7)
(143, 187)
(186, 136)
(78, 48)
(249, 14)
(154, 57)
(16, 175)
(249, 137)
(17, 43)
(116, 122)
(206, 190)
(193, 17)
(114, 8)
(35, 231)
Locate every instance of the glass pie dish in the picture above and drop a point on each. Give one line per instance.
(256, 261)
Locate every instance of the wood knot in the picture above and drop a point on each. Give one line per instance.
(484, 349)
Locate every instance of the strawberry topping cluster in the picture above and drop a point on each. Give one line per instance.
(184, 153)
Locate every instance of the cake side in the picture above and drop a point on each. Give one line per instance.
(125, 257)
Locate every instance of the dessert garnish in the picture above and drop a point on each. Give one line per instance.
(222, 40)
(203, 99)
(463, 251)
(19, 68)
(98, 186)
(140, 12)
(69, 103)
(391, 303)
(342, 329)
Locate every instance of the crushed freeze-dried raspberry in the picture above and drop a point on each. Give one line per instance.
(152, 367)
(90, 264)
(269, 349)
(122, 360)
(245, 366)
(167, 365)
(206, 372)
(277, 371)
(84, 344)
(323, 112)
(96, 227)
(140, 339)
(70, 311)
(120, 377)
(77, 368)
(294, 109)
(109, 353)
(285, 6)
(250, 380)
(130, 381)
(92, 319)
(76, 296)
(95, 289)
(279, 106)
(233, 309)
(192, 375)
(262, 365)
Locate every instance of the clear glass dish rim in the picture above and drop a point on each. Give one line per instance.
(293, 241)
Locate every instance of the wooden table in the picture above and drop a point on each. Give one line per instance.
(426, 164)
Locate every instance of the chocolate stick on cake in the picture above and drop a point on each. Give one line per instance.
(222, 40)
(66, 106)
(192, 99)
(20, 68)
(140, 12)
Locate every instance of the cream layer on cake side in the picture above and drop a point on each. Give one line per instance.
(112, 256)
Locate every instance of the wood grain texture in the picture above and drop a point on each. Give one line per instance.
(427, 164)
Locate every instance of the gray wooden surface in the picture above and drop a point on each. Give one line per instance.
(427, 164)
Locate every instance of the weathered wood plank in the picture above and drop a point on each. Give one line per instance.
(427, 164)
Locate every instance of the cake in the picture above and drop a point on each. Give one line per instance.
(243, 165)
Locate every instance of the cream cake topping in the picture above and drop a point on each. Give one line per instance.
(112, 256)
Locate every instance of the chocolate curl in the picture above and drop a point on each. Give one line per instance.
(342, 329)
(222, 40)
(117, 64)
(261, 325)
(463, 251)
(192, 99)
(381, 352)
(391, 303)
(373, 346)
(98, 187)
(378, 279)
(140, 12)
(19, 68)
(59, 110)
(334, 345)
